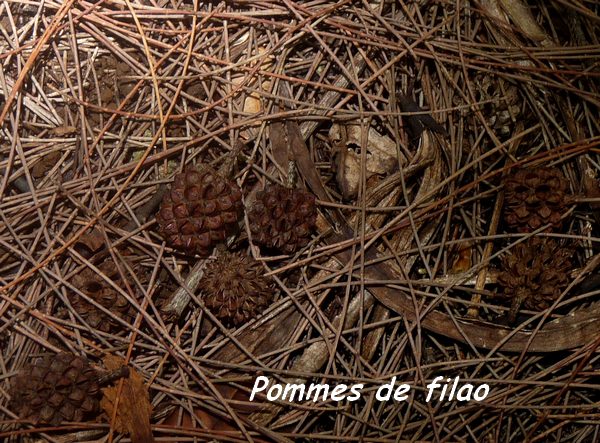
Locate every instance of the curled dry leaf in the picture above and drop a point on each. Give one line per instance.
(131, 400)
(522, 17)
(381, 156)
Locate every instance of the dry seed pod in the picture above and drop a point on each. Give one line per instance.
(234, 288)
(282, 218)
(55, 388)
(534, 273)
(535, 197)
(200, 210)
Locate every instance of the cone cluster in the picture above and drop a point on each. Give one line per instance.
(202, 209)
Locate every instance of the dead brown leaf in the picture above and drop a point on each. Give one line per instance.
(90, 243)
(131, 399)
(46, 163)
(381, 156)
(462, 258)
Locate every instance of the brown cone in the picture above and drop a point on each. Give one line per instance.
(200, 210)
(534, 274)
(103, 293)
(282, 218)
(535, 197)
(234, 288)
(54, 389)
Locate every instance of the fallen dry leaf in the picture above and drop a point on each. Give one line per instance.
(133, 407)
(63, 130)
(461, 261)
(524, 20)
(381, 156)
(90, 243)
(46, 163)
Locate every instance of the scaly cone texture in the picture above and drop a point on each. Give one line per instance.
(234, 288)
(535, 197)
(54, 389)
(502, 103)
(99, 290)
(534, 274)
(200, 210)
(282, 218)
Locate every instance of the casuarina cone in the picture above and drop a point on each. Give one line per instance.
(200, 210)
(534, 274)
(282, 218)
(235, 289)
(535, 197)
(54, 389)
